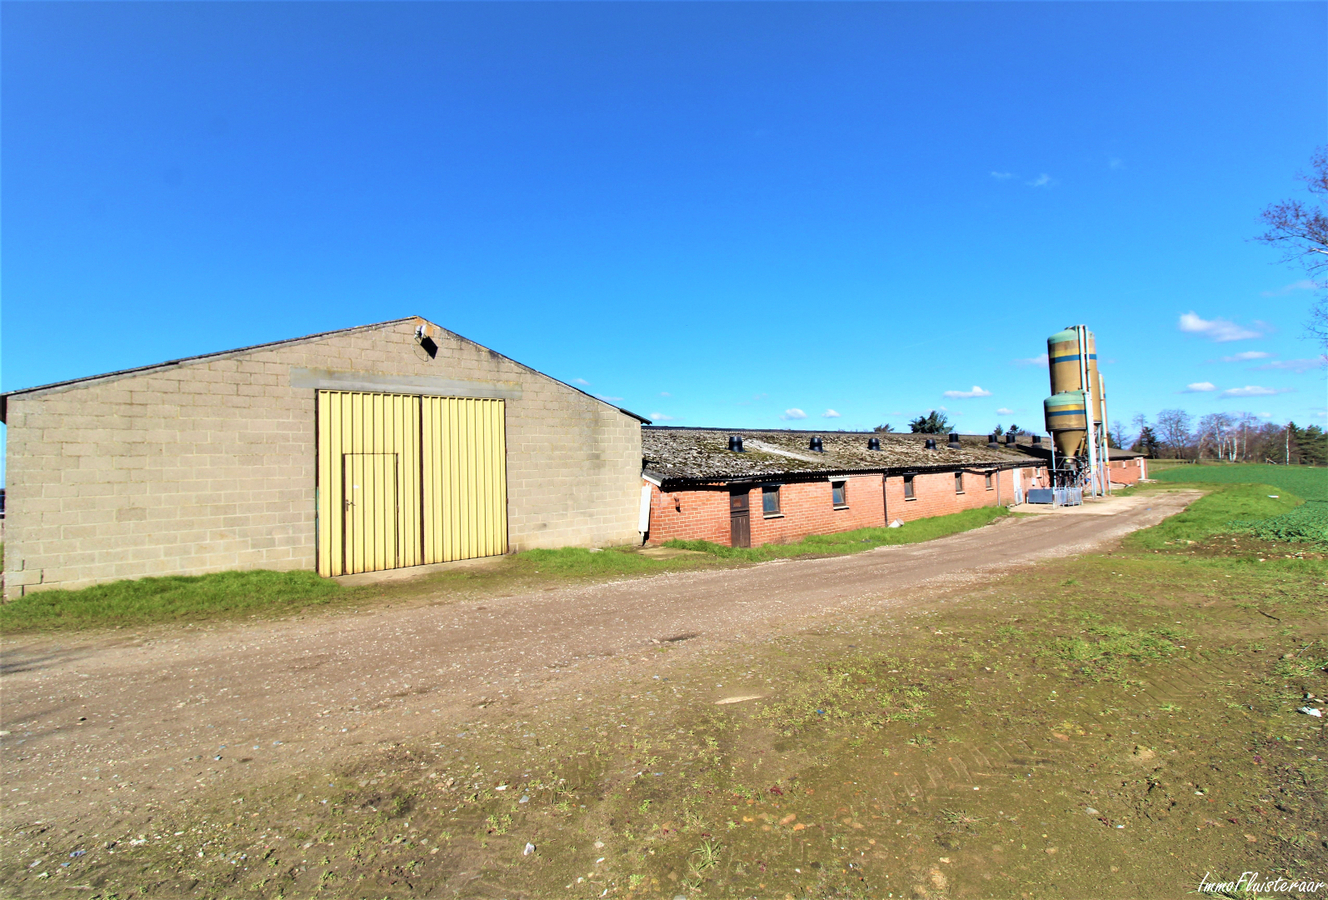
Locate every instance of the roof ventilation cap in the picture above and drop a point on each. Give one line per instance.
(993, 443)
(873, 443)
(816, 445)
(1009, 439)
(931, 444)
(954, 441)
(1037, 439)
(735, 443)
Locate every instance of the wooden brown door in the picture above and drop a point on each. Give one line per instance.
(740, 520)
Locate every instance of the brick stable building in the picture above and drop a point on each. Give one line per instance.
(784, 485)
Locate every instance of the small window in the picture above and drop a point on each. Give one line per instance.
(908, 488)
(959, 482)
(989, 479)
(770, 500)
(839, 491)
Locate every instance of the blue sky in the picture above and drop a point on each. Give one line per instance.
(714, 214)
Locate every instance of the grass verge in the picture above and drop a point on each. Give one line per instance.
(242, 595)
(170, 599)
(854, 541)
(1217, 512)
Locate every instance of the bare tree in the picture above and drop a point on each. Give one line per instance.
(1215, 430)
(1138, 423)
(1118, 434)
(1300, 231)
(1173, 426)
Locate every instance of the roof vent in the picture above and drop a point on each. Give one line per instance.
(873, 443)
(993, 443)
(931, 444)
(1037, 439)
(954, 441)
(1009, 439)
(816, 445)
(735, 443)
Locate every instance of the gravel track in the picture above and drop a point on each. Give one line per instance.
(103, 729)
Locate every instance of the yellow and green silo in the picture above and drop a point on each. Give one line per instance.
(1066, 359)
(1067, 422)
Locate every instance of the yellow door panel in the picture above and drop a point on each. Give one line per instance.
(353, 423)
(465, 480)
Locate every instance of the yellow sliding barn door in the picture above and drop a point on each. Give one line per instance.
(368, 482)
(465, 478)
(406, 480)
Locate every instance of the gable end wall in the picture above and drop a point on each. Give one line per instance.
(210, 466)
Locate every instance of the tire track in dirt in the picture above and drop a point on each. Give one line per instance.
(158, 710)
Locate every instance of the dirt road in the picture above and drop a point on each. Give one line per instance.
(103, 729)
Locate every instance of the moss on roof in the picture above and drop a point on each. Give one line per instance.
(702, 454)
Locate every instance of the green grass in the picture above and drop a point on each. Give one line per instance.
(235, 595)
(854, 541)
(1215, 513)
(1305, 481)
(1245, 501)
(170, 599)
(578, 562)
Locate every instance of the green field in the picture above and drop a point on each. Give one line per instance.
(1305, 523)
(1307, 482)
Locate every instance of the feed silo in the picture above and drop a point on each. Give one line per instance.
(1067, 422)
(1072, 357)
(1076, 411)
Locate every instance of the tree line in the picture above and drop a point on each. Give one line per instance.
(1233, 437)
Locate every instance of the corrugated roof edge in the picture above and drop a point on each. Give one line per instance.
(138, 370)
(668, 483)
(907, 434)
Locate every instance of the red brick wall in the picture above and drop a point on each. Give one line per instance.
(689, 516)
(1127, 471)
(807, 507)
(934, 494)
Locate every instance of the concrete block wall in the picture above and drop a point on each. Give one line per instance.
(210, 465)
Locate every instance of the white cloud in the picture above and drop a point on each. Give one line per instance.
(1003, 176)
(1253, 390)
(581, 381)
(967, 395)
(1042, 360)
(1247, 356)
(660, 417)
(1004, 412)
(1199, 387)
(609, 399)
(794, 413)
(1219, 330)
(1264, 415)
(1303, 285)
(1115, 163)
(665, 394)
(1299, 366)
(830, 414)
(1043, 180)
